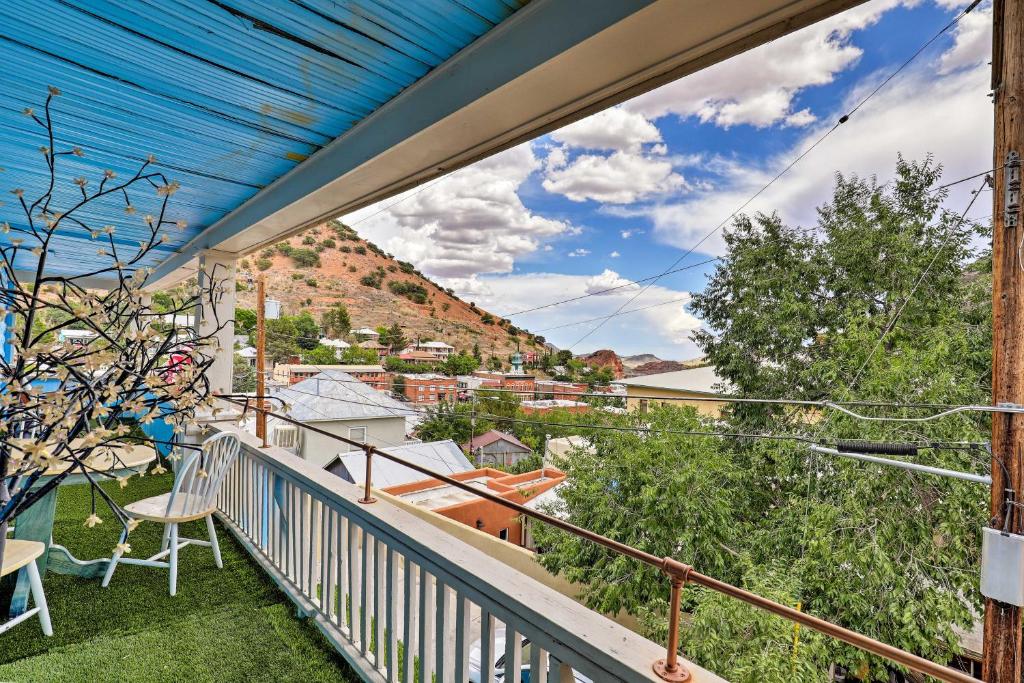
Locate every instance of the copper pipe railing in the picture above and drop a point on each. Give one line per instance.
(679, 573)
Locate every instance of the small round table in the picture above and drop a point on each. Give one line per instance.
(36, 523)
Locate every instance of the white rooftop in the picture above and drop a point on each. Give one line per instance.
(444, 457)
(336, 395)
(335, 343)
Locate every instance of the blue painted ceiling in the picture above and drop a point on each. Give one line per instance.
(228, 95)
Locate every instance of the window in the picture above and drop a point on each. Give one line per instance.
(643, 405)
(357, 434)
(503, 534)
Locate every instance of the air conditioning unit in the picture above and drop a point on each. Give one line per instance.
(286, 436)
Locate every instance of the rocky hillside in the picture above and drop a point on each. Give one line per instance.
(602, 358)
(630, 362)
(331, 263)
(658, 366)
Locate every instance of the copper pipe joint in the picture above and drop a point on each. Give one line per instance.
(670, 669)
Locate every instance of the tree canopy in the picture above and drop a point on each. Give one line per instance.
(799, 313)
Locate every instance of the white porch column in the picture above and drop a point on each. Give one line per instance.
(217, 271)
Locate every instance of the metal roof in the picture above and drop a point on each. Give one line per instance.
(440, 456)
(228, 95)
(336, 395)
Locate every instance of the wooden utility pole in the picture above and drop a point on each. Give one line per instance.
(261, 357)
(1003, 645)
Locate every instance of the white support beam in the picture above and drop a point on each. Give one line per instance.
(217, 272)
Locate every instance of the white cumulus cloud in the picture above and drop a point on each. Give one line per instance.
(471, 222)
(619, 178)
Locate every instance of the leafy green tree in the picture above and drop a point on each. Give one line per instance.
(281, 339)
(601, 377)
(245, 321)
(320, 355)
(355, 355)
(336, 321)
(243, 376)
(476, 353)
(452, 421)
(793, 313)
(494, 363)
(460, 363)
(398, 386)
(393, 337)
(307, 331)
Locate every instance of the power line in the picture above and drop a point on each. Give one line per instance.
(842, 119)
(632, 310)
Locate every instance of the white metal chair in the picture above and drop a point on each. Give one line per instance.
(23, 555)
(193, 496)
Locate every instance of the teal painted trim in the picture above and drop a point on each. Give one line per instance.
(539, 32)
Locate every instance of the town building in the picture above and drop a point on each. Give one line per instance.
(338, 345)
(373, 375)
(249, 354)
(439, 350)
(496, 448)
(549, 404)
(440, 456)
(522, 384)
(485, 515)
(365, 333)
(375, 346)
(414, 356)
(674, 388)
(549, 388)
(337, 403)
(428, 388)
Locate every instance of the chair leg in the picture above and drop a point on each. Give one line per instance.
(213, 542)
(173, 560)
(114, 559)
(166, 538)
(39, 598)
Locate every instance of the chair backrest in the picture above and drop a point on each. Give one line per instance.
(198, 481)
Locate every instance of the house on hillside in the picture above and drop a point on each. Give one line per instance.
(374, 345)
(365, 333)
(339, 404)
(444, 457)
(674, 388)
(374, 375)
(338, 345)
(439, 350)
(413, 356)
(497, 448)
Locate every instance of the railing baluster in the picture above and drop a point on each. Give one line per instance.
(341, 551)
(326, 537)
(538, 662)
(379, 580)
(354, 532)
(558, 672)
(486, 646)
(426, 624)
(513, 653)
(462, 635)
(409, 612)
(442, 613)
(365, 593)
(392, 636)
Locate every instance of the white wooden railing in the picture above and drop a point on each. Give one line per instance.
(404, 602)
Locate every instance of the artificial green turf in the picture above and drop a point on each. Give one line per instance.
(223, 625)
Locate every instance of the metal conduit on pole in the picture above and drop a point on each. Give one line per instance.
(678, 573)
(901, 464)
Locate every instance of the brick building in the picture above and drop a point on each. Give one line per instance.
(429, 388)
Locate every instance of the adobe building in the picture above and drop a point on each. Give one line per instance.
(480, 513)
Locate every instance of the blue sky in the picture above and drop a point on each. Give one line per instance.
(623, 194)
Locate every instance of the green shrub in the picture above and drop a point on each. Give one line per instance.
(328, 243)
(308, 240)
(345, 249)
(311, 282)
(284, 248)
(305, 258)
(406, 267)
(361, 250)
(267, 253)
(263, 263)
(352, 269)
(392, 268)
(411, 291)
(296, 276)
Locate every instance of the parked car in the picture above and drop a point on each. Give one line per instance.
(499, 662)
